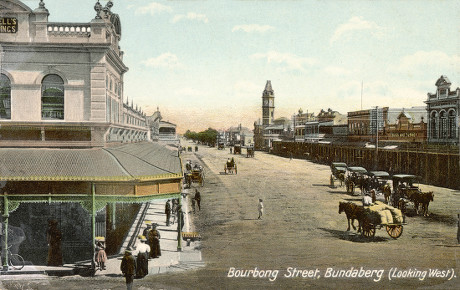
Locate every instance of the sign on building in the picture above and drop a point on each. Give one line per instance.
(8, 25)
(376, 120)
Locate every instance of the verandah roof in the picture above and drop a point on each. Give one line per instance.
(128, 162)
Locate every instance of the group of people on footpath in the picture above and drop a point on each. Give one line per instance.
(135, 262)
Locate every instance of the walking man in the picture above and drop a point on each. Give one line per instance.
(167, 212)
(128, 268)
(260, 208)
(198, 198)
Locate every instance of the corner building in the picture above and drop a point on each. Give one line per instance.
(71, 149)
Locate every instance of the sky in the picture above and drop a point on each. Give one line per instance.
(205, 63)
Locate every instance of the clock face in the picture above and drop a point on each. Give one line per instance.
(265, 102)
(271, 102)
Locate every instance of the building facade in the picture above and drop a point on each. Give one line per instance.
(443, 113)
(70, 146)
(406, 125)
(74, 100)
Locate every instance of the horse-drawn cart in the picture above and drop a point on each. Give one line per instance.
(230, 167)
(378, 181)
(406, 190)
(237, 149)
(195, 175)
(338, 170)
(374, 217)
(355, 177)
(381, 215)
(250, 151)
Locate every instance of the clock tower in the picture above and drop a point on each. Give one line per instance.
(268, 104)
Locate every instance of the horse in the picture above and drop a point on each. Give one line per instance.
(424, 199)
(352, 211)
(387, 193)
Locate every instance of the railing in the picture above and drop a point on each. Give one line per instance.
(69, 28)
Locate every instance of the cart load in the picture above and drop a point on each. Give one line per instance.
(381, 213)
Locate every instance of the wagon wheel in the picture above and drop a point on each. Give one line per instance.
(395, 231)
(368, 230)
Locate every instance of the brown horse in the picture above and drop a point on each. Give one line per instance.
(424, 199)
(353, 212)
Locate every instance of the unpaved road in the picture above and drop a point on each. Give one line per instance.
(301, 229)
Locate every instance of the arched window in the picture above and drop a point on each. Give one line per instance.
(443, 125)
(52, 97)
(452, 125)
(433, 125)
(5, 97)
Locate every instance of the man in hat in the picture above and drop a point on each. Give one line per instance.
(128, 268)
(167, 212)
(154, 242)
(143, 253)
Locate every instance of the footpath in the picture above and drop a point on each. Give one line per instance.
(171, 260)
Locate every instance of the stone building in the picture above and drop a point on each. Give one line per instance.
(71, 149)
(443, 111)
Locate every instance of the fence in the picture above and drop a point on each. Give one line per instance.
(436, 168)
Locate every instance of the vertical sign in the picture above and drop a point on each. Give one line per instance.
(376, 120)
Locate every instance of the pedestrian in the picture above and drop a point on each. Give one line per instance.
(54, 238)
(100, 257)
(154, 242)
(193, 204)
(174, 210)
(146, 231)
(180, 218)
(143, 253)
(230, 150)
(458, 228)
(260, 208)
(198, 198)
(167, 212)
(128, 268)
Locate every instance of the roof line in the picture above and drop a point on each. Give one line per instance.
(119, 163)
(140, 159)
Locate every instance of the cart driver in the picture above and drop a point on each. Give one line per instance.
(367, 199)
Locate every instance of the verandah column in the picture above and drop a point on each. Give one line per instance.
(4, 233)
(93, 220)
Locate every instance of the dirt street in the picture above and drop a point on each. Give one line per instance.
(301, 229)
(302, 233)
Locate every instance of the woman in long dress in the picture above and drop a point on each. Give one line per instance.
(154, 242)
(143, 252)
(54, 238)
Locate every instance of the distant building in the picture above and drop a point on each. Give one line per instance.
(362, 124)
(406, 125)
(327, 126)
(299, 120)
(162, 131)
(442, 108)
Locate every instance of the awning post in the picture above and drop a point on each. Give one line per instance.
(93, 220)
(5, 233)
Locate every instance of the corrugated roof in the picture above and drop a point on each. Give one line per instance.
(127, 162)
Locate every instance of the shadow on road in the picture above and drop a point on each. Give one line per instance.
(353, 237)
